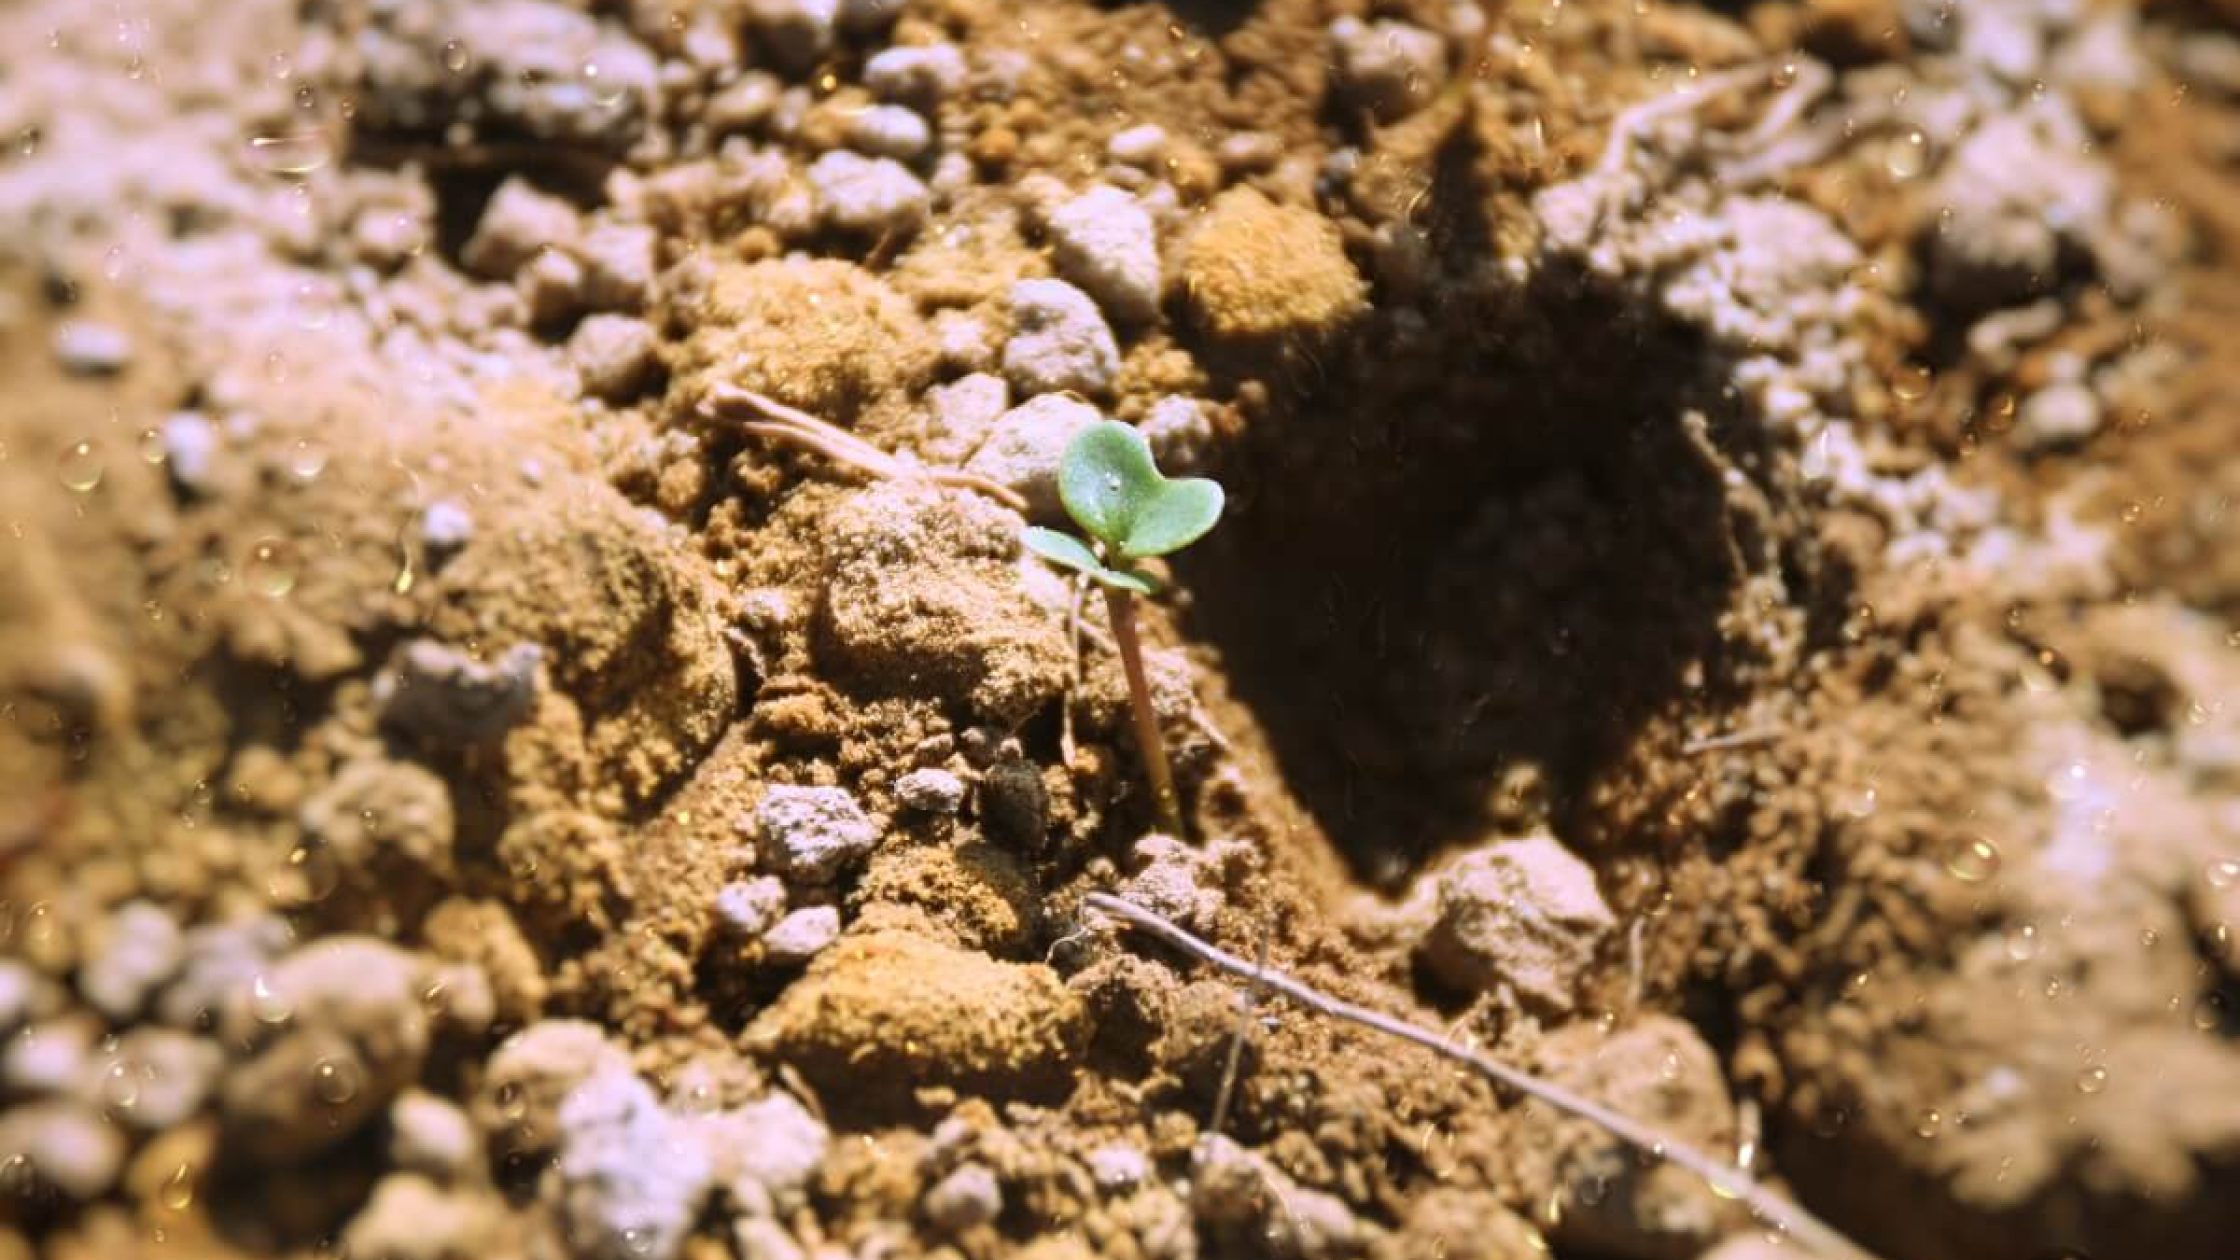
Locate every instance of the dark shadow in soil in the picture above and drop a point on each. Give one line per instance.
(1468, 559)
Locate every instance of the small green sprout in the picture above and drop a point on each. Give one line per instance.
(1114, 491)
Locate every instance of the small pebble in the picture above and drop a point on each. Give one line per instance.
(1388, 69)
(1059, 341)
(86, 348)
(1119, 1167)
(155, 1079)
(892, 131)
(867, 196)
(801, 935)
(796, 32)
(446, 527)
(64, 1146)
(1106, 243)
(965, 1198)
(48, 1058)
(613, 355)
(1180, 433)
(1023, 449)
(749, 907)
(1141, 145)
(519, 224)
(810, 833)
(930, 791)
(190, 449)
(2065, 414)
(923, 76)
(140, 949)
(431, 1135)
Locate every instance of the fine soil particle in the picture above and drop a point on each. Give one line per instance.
(1728, 598)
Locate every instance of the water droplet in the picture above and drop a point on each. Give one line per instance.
(121, 1082)
(2222, 873)
(1928, 1124)
(306, 461)
(1907, 156)
(1910, 383)
(1975, 860)
(639, 1239)
(513, 1100)
(315, 864)
(2092, 1080)
(335, 1081)
(1861, 804)
(267, 1004)
(290, 153)
(177, 1191)
(270, 570)
(150, 446)
(80, 467)
(2023, 942)
(456, 58)
(2208, 1013)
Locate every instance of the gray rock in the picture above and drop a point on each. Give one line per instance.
(891, 131)
(432, 1135)
(631, 1177)
(1140, 145)
(796, 32)
(1524, 914)
(86, 348)
(140, 949)
(1023, 450)
(2016, 196)
(551, 286)
(869, 17)
(446, 527)
(968, 1196)
(801, 935)
(618, 266)
(748, 908)
(48, 1058)
(410, 1217)
(1014, 802)
(25, 995)
(767, 1150)
(1105, 242)
(439, 693)
(63, 1146)
(222, 960)
(190, 451)
(930, 791)
(1239, 1192)
(1180, 433)
(809, 834)
(1387, 69)
(963, 413)
(613, 355)
(155, 1079)
(530, 1075)
(923, 76)
(337, 1032)
(1059, 341)
(2064, 414)
(519, 224)
(867, 196)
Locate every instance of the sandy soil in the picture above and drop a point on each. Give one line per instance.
(1731, 599)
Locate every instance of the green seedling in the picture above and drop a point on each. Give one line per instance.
(1113, 490)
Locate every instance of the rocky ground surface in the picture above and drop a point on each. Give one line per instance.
(1731, 599)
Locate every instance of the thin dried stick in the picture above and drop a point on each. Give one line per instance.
(790, 424)
(1724, 1178)
(1635, 120)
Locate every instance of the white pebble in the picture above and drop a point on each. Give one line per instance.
(796, 32)
(2064, 414)
(810, 833)
(922, 75)
(140, 949)
(1141, 145)
(868, 196)
(930, 791)
(1023, 449)
(1106, 243)
(1059, 341)
(190, 450)
(893, 131)
(801, 935)
(446, 527)
(65, 1146)
(1387, 69)
(967, 1197)
(85, 348)
(748, 907)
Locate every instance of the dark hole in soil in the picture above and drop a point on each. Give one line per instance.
(1467, 563)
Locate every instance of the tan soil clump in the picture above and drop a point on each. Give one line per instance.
(922, 593)
(821, 335)
(882, 1016)
(1258, 269)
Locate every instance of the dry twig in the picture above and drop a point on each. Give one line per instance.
(1724, 1178)
(775, 420)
